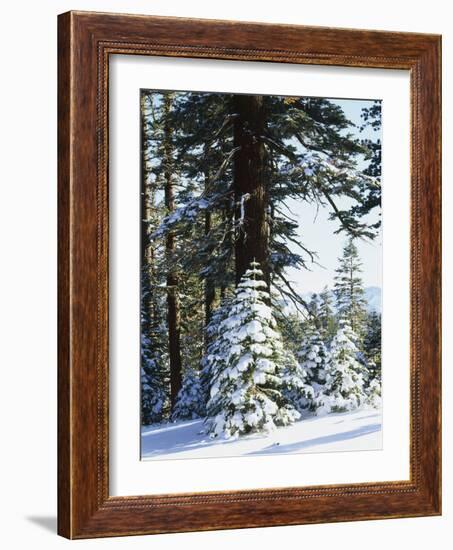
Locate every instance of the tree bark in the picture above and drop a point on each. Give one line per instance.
(251, 173)
(209, 288)
(146, 249)
(209, 285)
(173, 308)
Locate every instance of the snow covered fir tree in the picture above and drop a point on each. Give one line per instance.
(246, 201)
(189, 403)
(246, 392)
(314, 358)
(344, 388)
(348, 290)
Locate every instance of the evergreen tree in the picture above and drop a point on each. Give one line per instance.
(173, 302)
(160, 176)
(219, 169)
(374, 398)
(189, 403)
(192, 320)
(204, 219)
(372, 117)
(290, 326)
(295, 387)
(214, 359)
(155, 374)
(155, 371)
(261, 151)
(314, 358)
(314, 311)
(251, 173)
(348, 290)
(155, 403)
(246, 392)
(372, 346)
(344, 386)
(326, 315)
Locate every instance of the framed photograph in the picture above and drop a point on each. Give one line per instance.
(249, 275)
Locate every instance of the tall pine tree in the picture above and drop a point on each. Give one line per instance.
(326, 315)
(263, 150)
(348, 289)
(226, 167)
(155, 373)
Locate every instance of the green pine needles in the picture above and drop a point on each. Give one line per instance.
(246, 393)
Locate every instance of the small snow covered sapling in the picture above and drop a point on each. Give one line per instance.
(314, 359)
(344, 387)
(155, 400)
(246, 391)
(294, 382)
(372, 346)
(213, 360)
(374, 398)
(189, 404)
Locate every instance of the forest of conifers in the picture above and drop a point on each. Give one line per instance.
(225, 334)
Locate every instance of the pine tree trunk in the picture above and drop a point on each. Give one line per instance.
(144, 189)
(250, 185)
(173, 308)
(209, 286)
(146, 252)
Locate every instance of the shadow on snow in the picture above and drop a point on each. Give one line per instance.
(332, 438)
(187, 436)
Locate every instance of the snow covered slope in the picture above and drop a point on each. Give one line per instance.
(354, 431)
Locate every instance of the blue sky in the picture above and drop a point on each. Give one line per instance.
(316, 231)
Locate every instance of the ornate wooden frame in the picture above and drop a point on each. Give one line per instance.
(85, 41)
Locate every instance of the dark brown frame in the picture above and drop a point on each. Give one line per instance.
(85, 41)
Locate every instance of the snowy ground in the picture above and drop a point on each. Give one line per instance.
(356, 431)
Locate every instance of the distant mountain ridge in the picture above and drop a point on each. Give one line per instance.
(373, 296)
